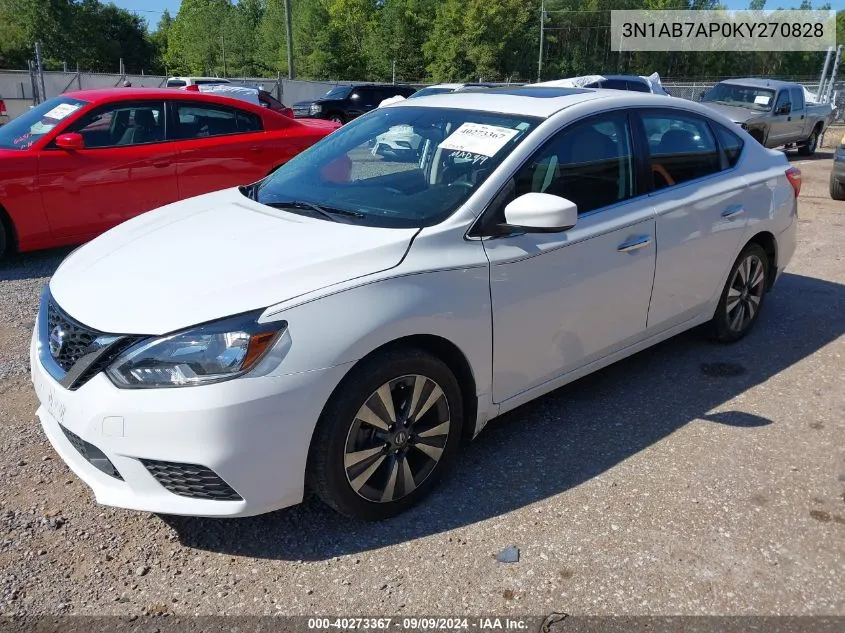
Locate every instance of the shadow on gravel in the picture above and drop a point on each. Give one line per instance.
(32, 265)
(820, 154)
(565, 438)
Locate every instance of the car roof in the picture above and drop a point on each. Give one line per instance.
(104, 95)
(194, 78)
(760, 83)
(545, 101)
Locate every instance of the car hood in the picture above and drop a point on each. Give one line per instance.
(210, 257)
(735, 113)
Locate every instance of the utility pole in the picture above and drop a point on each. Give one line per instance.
(223, 46)
(542, 34)
(394, 72)
(289, 30)
(40, 68)
(824, 72)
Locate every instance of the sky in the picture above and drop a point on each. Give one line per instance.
(152, 9)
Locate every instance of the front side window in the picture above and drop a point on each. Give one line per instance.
(396, 167)
(122, 124)
(783, 99)
(194, 121)
(589, 163)
(23, 131)
(681, 148)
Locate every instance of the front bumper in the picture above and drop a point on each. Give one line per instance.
(253, 433)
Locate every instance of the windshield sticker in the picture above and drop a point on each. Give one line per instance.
(61, 111)
(762, 100)
(477, 138)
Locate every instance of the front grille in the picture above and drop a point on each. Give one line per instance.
(75, 338)
(92, 454)
(191, 480)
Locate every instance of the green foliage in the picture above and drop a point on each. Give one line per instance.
(419, 40)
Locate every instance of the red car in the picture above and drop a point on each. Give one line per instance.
(79, 164)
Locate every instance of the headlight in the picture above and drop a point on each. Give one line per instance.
(315, 108)
(217, 351)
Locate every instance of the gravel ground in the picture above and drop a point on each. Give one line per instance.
(690, 479)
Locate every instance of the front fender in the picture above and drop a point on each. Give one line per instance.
(346, 326)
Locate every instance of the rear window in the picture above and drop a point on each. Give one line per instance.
(637, 86)
(176, 83)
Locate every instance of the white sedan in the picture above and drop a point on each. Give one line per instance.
(349, 321)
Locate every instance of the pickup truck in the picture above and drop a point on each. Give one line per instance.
(776, 113)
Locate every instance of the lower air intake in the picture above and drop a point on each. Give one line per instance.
(92, 454)
(190, 480)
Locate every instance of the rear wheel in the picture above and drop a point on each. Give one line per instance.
(4, 239)
(743, 295)
(837, 191)
(337, 118)
(389, 432)
(808, 148)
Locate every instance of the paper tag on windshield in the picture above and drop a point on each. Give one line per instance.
(762, 100)
(61, 111)
(477, 138)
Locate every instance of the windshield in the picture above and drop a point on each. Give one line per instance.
(338, 92)
(396, 167)
(430, 91)
(25, 130)
(741, 96)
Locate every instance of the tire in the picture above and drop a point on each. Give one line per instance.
(354, 422)
(808, 148)
(837, 190)
(732, 321)
(337, 118)
(4, 240)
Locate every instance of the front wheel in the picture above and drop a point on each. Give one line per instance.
(743, 295)
(4, 240)
(388, 433)
(337, 118)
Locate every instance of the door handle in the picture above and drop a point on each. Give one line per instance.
(634, 244)
(732, 211)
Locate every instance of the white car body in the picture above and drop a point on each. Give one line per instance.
(182, 82)
(528, 313)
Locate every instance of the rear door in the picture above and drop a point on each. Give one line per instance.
(799, 113)
(127, 167)
(702, 202)
(218, 147)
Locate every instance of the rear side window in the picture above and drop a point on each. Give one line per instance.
(797, 98)
(638, 86)
(681, 148)
(731, 145)
(202, 121)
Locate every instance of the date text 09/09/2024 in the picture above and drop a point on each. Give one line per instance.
(419, 624)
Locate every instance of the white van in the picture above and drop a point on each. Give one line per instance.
(182, 82)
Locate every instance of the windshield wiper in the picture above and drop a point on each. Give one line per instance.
(330, 213)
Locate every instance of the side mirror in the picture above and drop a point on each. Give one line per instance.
(541, 213)
(786, 108)
(71, 141)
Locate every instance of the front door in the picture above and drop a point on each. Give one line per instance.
(781, 126)
(563, 300)
(125, 168)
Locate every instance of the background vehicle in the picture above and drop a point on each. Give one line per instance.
(4, 115)
(776, 113)
(634, 83)
(444, 88)
(343, 103)
(255, 96)
(181, 82)
(381, 312)
(76, 165)
(837, 173)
